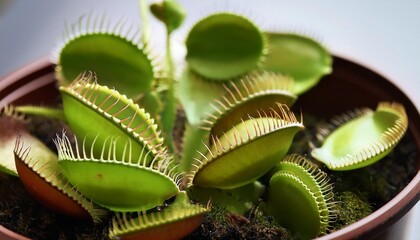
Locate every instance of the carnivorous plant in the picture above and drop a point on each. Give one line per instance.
(237, 88)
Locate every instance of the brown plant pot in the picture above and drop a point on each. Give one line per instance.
(349, 86)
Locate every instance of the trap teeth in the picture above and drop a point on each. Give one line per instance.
(301, 197)
(40, 174)
(245, 152)
(175, 221)
(365, 139)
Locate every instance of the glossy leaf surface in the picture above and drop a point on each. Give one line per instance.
(224, 45)
(299, 57)
(365, 139)
(118, 62)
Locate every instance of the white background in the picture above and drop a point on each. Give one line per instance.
(381, 34)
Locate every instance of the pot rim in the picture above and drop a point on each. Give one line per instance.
(25, 70)
(10, 235)
(15, 85)
(381, 218)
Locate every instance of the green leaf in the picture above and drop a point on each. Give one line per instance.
(238, 200)
(246, 152)
(118, 180)
(119, 187)
(11, 126)
(41, 175)
(195, 94)
(192, 144)
(299, 57)
(48, 112)
(95, 113)
(118, 62)
(175, 221)
(170, 12)
(255, 91)
(365, 139)
(300, 197)
(223, 46)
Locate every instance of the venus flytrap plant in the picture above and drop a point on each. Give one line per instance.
(129, 146)
(237, 92)
(172, 15)
(99, 178)
(11, 125)
(213, 60)
(240, 50)
(365, 139)
(254, 91)
(135, 69)
(301, 197)
(288, 52)
(87, 48)
(111, 111)
(40, 173)
(90, 30)
(37, 167)
(175, 221)
(231, 160)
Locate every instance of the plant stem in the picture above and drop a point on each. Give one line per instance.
(169, 60)
(42, 111)
(145, 37)
(168, 97)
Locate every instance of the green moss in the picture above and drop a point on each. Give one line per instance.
(351, 206)
(381, 181)
(220, 224)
